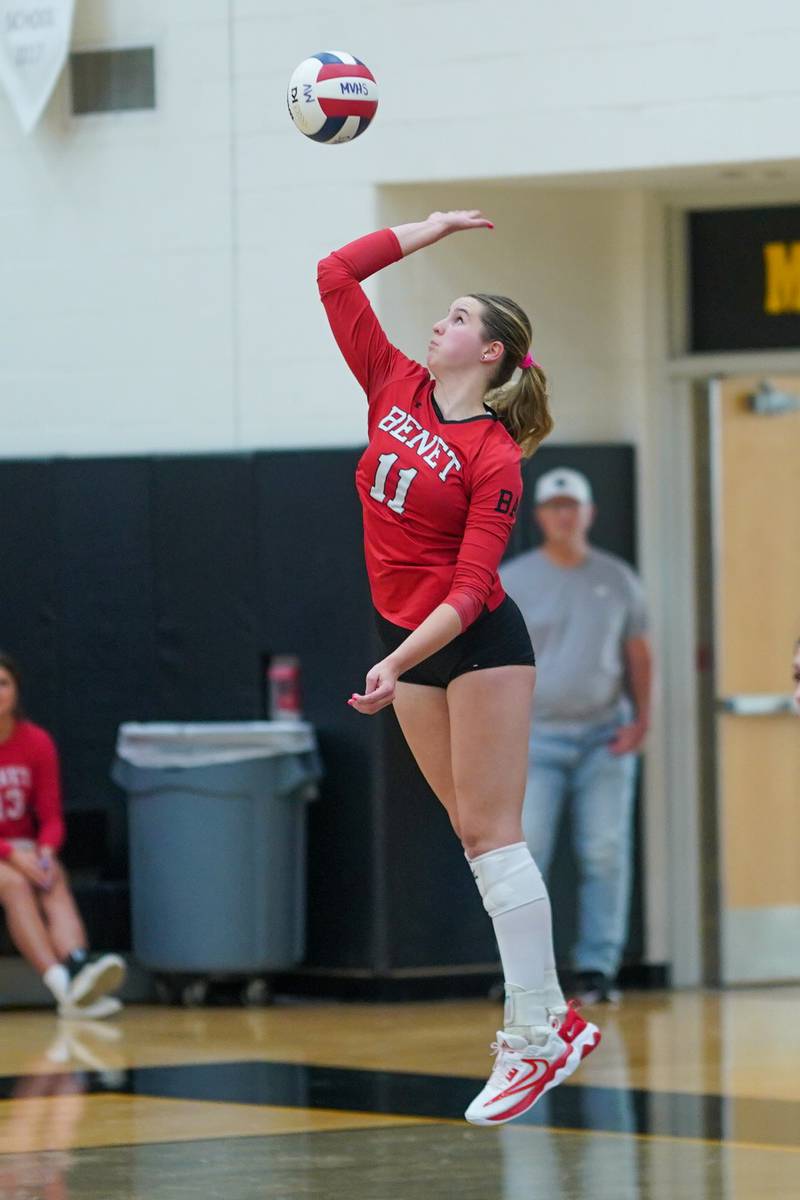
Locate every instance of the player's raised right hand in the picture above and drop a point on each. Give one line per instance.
(462, 218)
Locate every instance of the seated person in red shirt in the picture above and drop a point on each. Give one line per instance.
(41, 915)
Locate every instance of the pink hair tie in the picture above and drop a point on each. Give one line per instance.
(528, 362)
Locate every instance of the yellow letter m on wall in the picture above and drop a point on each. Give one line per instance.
(782, 282)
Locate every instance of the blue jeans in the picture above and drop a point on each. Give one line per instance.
(575, 763)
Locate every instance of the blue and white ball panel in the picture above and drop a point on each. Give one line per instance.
(332, 97)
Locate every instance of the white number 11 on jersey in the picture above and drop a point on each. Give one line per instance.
(385, 464)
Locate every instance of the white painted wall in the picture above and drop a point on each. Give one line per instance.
(116, 271)
(156, 282)
(571, 258)
(530, 88)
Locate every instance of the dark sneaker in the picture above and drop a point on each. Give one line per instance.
(95, 977)
(593, 987)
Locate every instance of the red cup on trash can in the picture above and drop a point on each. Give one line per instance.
(285, 700)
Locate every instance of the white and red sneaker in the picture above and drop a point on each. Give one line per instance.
(522, 1073)
(577, 1032)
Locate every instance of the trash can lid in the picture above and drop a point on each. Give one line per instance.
(198, 744)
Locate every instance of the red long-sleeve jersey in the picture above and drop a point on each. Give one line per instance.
(30, 789)
(439, 498)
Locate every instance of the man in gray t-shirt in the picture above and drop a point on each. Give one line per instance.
(586, 615)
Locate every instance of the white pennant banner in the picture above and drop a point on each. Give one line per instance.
(34, 42)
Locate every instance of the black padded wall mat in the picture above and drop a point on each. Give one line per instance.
(158, 588)
(103, 598)
(313, 601)
(29, 614)
(204, 536)
(434, 913)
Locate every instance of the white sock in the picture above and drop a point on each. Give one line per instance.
(56, 980)
(525, 941)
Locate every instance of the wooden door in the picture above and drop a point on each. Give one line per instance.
(755, 434)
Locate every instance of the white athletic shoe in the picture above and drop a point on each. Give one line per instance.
(95, 979)
(106, 1006)
(522, 1073)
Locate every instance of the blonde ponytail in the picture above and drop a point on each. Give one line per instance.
(523, 407)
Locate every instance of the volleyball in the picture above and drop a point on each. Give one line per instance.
(332, 97)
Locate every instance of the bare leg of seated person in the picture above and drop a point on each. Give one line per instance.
(47, 930)
(91, 978)
(29, 932)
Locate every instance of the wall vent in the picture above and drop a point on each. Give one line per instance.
(113, 80)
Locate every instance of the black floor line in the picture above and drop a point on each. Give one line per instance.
(397, 1093)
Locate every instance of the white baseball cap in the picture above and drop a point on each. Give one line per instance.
(563, 482)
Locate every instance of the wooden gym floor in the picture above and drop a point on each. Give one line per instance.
(690, 1095)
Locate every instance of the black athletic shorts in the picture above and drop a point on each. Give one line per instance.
(494, 639)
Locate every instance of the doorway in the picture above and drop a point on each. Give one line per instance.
(748, 583)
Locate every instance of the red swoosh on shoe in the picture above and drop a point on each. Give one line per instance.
(523, 1084)
(529, 1100)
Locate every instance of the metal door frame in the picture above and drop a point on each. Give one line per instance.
(707, 547)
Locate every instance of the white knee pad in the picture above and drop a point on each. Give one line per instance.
(507, 878)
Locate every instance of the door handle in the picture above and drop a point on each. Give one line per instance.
(755, 705)
(768, 401)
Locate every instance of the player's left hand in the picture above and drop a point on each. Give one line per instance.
(628, 738)
(379, 690)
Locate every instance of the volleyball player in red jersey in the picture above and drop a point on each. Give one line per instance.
(440, 485)
(40, 911)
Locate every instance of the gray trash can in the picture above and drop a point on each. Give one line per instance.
(217, 822)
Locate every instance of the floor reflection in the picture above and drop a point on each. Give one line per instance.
(46, 1104)
(432, 1163)
(75, 1108)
